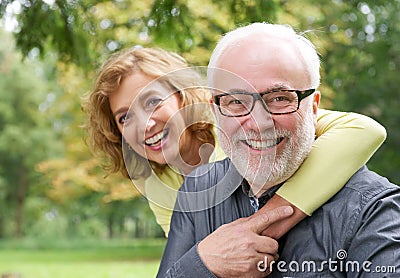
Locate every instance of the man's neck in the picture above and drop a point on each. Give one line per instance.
(255, 191)
(258, 191)
(260, 199)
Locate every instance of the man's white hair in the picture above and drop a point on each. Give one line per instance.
(305, 47)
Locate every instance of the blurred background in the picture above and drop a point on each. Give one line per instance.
(59, 215)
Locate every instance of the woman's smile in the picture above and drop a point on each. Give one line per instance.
(156, 141)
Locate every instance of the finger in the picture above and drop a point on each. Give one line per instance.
(261, 220)
(266, 245)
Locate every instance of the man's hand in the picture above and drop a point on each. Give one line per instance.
(238, 248)
(281, 227)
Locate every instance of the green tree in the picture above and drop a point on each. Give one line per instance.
(26, 135)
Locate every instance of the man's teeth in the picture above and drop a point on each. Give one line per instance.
(264, 144)
(156, 138)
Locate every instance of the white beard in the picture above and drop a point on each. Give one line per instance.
(263, 172)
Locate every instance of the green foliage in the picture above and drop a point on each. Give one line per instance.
(59, 26)
(169, 21)
(251, 10)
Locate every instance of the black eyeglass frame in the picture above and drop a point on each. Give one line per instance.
(301, 94)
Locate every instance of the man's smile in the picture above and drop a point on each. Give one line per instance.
(262, 144)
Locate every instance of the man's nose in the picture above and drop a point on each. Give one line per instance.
(260, 119)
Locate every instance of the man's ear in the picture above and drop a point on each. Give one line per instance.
(212, 105)
(317, 99)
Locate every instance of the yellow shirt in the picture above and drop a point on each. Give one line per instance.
(345, 142)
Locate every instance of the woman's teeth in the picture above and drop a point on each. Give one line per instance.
(156, 139)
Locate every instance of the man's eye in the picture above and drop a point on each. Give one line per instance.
(279, 99)
(236, 101)
(286, 98)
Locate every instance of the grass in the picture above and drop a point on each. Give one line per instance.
(81, 258)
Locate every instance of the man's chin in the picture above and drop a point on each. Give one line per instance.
(256, 173)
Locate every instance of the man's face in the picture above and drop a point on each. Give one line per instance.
(266, 149)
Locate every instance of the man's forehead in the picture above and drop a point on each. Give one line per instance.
(259, 42)
(261, 65)
(227, 82)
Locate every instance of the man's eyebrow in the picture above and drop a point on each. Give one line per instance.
(235, 90)
(280, 86)
(270, 88)
(277, 87)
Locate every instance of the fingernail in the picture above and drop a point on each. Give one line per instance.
(288, 210)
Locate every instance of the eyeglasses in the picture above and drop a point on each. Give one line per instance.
(276, 102)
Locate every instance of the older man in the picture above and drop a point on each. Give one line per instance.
(264, 78)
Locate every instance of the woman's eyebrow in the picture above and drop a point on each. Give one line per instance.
(145, 94)
(120, 110)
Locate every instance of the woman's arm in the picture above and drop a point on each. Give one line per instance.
(345, 142)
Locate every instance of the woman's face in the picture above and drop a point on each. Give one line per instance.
(147, 113)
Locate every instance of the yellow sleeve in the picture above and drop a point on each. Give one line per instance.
(161, 191)
(345, 142)
(163, 216)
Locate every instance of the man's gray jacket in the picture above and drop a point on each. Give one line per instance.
(355, 234)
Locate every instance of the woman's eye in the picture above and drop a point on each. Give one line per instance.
(124, 118)
(153, 102)
(121, 119)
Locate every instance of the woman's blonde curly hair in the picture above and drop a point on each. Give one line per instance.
(170, 68)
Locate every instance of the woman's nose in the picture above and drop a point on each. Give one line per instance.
(150, 124)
